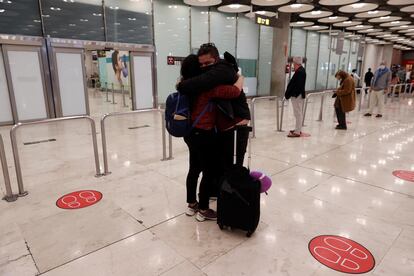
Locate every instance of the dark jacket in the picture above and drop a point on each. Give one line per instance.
(368, 78)
(221, 73)
(296, 86)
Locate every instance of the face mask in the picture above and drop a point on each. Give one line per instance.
(382, 67)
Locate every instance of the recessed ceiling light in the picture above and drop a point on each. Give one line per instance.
(114, 8)
(358, 5)
(37, 21)
(72, 25)
(132, 19)
(316, 12)
(45, 15)
(395, 22)
(2, 10)
(347, 22)
(97, 14)
(333, 17)
(83, 20)
(71, 1)
(296, 6)
(372, 12)
(384, 17)
(235, 6)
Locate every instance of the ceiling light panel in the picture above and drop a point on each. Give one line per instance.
(336, 2)
(372, 14)
(270, 2)
(316, 14)
(296, 8)
(358, 7)
(203, 3)
(333, 19)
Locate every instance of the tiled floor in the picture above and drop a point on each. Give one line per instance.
(332, 183)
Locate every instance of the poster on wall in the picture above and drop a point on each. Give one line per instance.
(114, 69)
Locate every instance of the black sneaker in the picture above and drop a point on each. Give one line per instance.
(340, 127)
(367, 114)
(379, 116)
(208, 214)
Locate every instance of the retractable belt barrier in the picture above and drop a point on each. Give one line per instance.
(314, 94)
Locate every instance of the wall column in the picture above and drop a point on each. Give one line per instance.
(280, 55)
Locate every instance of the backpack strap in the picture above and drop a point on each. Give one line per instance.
(208, 106)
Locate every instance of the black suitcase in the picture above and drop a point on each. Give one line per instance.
(238, 203)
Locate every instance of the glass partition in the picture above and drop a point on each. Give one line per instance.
(199, 27)
(81, 19)
(298, 43)
(223, 31)
(171, 26)
(312, 60)
(345, 57)
(265, 60)
(334, 64)
(129, 21)
(323, 62)
(248, 52)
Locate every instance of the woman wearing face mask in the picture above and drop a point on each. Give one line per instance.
(345, 97)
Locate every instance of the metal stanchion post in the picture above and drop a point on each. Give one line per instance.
(361, 95)
(164, 142)
(113, 94)
(277, 114)
(107, 92)
(321, 110)
(253, 123)
(123, 95)
(170, 148)
(9, 197)
(281, 114)
(304, 108)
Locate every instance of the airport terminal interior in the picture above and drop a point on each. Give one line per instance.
(93, 177)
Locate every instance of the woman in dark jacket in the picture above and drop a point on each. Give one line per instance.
(345, 98)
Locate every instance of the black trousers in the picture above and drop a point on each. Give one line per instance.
(340, 115)
(226, 147)
(202, 146)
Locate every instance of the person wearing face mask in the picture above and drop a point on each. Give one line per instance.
(345, 97)
(296, 91)
(379, 87)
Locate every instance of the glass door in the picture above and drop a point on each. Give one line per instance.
(142, 80)
(26, 82)
(70, 82)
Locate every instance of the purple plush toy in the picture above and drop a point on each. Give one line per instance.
(264, 180)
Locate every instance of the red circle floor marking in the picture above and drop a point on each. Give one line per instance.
(303, 134)
(341, 254)
(404, 175)
(79, 199)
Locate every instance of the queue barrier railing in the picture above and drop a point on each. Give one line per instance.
(9, 197)
(253, 109)
(314, 94)
(15, 148)
(114, 114)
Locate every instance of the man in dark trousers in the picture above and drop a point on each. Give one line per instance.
(367, 79)
(296, 92)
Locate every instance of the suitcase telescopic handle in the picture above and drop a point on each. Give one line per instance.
(249, 157)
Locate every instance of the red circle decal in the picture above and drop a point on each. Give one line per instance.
(404, 175)
(341, 254)
(79, 199)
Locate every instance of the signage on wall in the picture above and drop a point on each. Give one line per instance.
(267, 21)
(340, 43)
(172, 60)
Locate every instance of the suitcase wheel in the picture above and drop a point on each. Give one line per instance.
(249, 234)
(221, 226)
